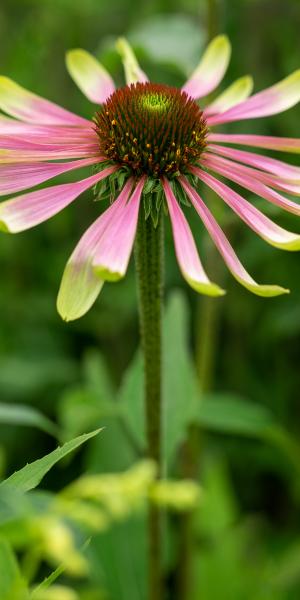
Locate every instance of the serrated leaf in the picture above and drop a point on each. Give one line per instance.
(30, 476)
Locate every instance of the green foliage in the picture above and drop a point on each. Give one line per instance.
(181, 392)
(26, 415)
(246, 529)
(30, 476)
(12, 585)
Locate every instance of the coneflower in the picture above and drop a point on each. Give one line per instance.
(152, 145)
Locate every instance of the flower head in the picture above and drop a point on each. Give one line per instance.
(153, 129)
(150, 145)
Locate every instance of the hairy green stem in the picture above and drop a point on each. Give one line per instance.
(149, 266)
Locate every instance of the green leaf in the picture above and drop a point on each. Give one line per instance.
(226, 413)
(21, 414)
(48, 581)
(12, 585)
(14, 507)
(83, 406)
(30, 476)
(131, 399)
(121, 551)
(180, 386)
(34, 374)
(227, 538)
(113, 451)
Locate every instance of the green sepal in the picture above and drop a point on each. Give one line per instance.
(151, 185)
(147, 200)
(109, 188)
(179, 193)
(153, 195)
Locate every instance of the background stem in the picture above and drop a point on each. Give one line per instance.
(207, 320)
(149, 266)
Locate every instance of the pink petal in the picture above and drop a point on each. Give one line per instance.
(60, 139)
(80, 284)
(13, 142)
(238, 91)
(278, 167)
(259, 141)
(15, 178)
(262, 225)
(211, 69)
(253, 185)
(224, 247)
(27, 210)
(185, 247)
(271, 101)
(12, 127)
(8, 156)
(24, 105)
(114, 250)
(266, 178)
(14, 149)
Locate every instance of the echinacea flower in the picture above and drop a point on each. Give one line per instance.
(151, 145)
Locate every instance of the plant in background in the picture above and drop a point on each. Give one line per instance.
(49, 527)
(152, 146)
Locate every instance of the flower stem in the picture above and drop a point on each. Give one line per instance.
(149, 266)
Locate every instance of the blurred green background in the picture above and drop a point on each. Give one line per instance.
(245, 349)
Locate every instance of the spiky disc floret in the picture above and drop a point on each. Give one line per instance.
(151, 128)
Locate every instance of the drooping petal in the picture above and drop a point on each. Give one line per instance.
(258, 141)
(225, 249)
(90, 76)
(14, 142)
(24, 105)
(185, 247)
(8, 156)
(112, 256)
(273, 100)
(252, 183)
(133, 71)
(238, 91)
(211, 69)
(58, 133)
(28, 210)
(16, 149)
(268, 179)
(80, 284)
(278, 167)
(45, 140)
(15, 178)
(256, 220)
